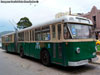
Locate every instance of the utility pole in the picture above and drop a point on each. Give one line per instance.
(70, 11)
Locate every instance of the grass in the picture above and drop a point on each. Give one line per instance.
(98, 47)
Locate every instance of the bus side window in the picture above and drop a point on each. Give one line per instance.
(24, 36)
(27, 36)
(59, 31)
(53, 32)
(38, 34)
(10, 38)
(21, 36)
(46, 33)
(32, 35)
(27, 33)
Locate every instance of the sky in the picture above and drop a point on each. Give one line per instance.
(45, 10)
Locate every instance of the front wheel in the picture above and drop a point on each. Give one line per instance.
(45, 58)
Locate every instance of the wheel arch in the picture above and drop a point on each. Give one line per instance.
(44, 48)
(21, 51)
(21, 47)
(49, 59)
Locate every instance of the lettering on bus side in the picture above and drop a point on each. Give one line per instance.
(37, 46)
(48, 45)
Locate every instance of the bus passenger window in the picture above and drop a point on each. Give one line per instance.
(38, 34)
(53, 32)
(32, 35)
(59, 31)
(26, 36)
(9, 38)
(21, 36)
(46, 33)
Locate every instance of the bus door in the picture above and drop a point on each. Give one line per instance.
(57, 46)
(58, 53)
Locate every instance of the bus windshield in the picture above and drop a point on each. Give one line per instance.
(80, 31)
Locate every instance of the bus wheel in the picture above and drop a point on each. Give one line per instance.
(6, 49)
(45, 58)
(21, 52)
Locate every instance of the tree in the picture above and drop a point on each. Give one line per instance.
(24, 23)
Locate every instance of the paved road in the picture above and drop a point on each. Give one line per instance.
(11, 64)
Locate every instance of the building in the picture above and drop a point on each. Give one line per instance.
(61, 14)
(94, 15)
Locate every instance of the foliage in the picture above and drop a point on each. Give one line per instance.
(24, 23)
(98, 47)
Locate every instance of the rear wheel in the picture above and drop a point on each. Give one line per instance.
(21, 52)
(6, 49)
(45, 58)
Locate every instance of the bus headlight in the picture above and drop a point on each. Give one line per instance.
(96, 48)
(94, 53)
(78, 50)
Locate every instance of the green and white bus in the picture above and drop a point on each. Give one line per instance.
(67, 41)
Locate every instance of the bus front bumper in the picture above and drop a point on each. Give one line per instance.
(82, 62)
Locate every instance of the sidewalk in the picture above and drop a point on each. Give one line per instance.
(98, 61)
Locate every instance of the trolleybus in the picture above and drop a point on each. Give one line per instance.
(66, 41)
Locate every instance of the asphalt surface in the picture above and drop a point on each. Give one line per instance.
(12, 64)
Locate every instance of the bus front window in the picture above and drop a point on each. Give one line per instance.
(66, 32)
(79, 31)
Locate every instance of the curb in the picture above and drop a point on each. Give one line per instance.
(96, 63)
(98, 52)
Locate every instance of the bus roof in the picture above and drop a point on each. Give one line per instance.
(67, 18)
(8, 34)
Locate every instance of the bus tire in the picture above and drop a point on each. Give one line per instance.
(45, 57)
(6, 49)
(21, 52)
